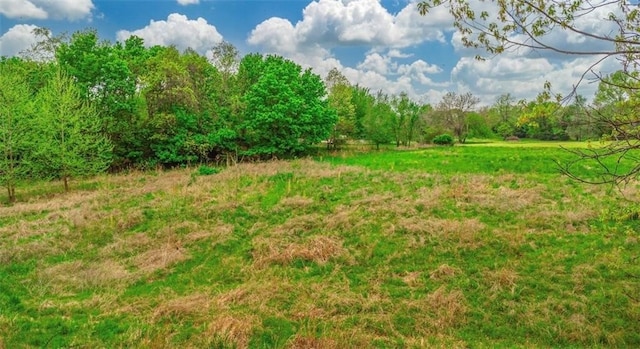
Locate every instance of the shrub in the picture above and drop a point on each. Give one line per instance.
(207, 171)
(443, 139)
(512, 138)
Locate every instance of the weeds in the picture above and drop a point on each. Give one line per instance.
(441, 247)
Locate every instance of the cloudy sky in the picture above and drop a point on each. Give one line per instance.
(379, 44)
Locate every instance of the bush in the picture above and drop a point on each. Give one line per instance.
(443, 139)
(207, 171)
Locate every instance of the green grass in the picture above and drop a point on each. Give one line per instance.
(465, 246)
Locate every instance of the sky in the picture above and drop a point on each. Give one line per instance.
(379, 44)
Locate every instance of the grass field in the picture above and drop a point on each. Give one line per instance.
(477, 246)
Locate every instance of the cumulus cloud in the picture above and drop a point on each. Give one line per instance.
(177, 30)
(188, 2)
(17, 39)
(329, 24)
(44, 9)
(524, 77)
(332, 23)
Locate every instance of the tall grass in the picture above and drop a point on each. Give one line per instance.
(456, 247)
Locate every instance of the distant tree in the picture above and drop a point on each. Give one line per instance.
(340, 100)
(379, 124)
(16, 130)
(408, 114)
(70, 142)
(452, 113)
(363, 103)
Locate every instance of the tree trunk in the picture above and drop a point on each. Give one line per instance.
(65, 179)
(11, 191)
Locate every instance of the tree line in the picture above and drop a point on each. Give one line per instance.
(79, 105)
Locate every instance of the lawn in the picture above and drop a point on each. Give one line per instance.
(474, 246)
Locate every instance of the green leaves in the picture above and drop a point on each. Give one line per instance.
(285, 109)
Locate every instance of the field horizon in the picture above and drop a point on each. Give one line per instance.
(475, 246)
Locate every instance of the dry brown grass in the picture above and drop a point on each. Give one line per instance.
(160, 258)
(307, 342)
(464, 232)
(299, 224)
(501, 280)
(296, 202)
(74, 276)
(447, 308)
(180, 307)
(234, 330)
(443, 272)
(318, 249)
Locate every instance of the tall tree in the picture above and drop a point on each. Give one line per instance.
(340, 100)
(70, 141)
(16, 131)
(379, 124)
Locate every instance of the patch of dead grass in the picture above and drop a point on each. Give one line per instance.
(463, 232)
(500, 280)
(193, 304)
(448, 309)
(318, 249)
(308, 342)
(77, 275)
(296, 202)
(160, 258)
(299, 224)
(235, 330)
(443, 272)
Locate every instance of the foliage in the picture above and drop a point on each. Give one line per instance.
(16, 129)
(286, 111)
(207, 170)
(443, 139)
(70, 143)
(379, 123)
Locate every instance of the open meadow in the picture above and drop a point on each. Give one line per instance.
(476, 246)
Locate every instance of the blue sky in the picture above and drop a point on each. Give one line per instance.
(384, 45)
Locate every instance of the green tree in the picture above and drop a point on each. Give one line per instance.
(379, 124)
(286, 110)
(70, 141)
(340, 100)
(16, 131)
(363, 103)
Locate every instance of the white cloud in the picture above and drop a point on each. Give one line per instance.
(44, 9)
(524, 77)
(17, 39)
(328, 24)
(21, 8)
(179, 31)
(188, 2)
(332, 23)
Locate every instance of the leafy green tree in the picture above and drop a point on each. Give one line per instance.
(340, 100)
(408, 114)
(286, 110)
(363, 103)
(379, 124)
(70, 141)
(108, 78)
(16, 130)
